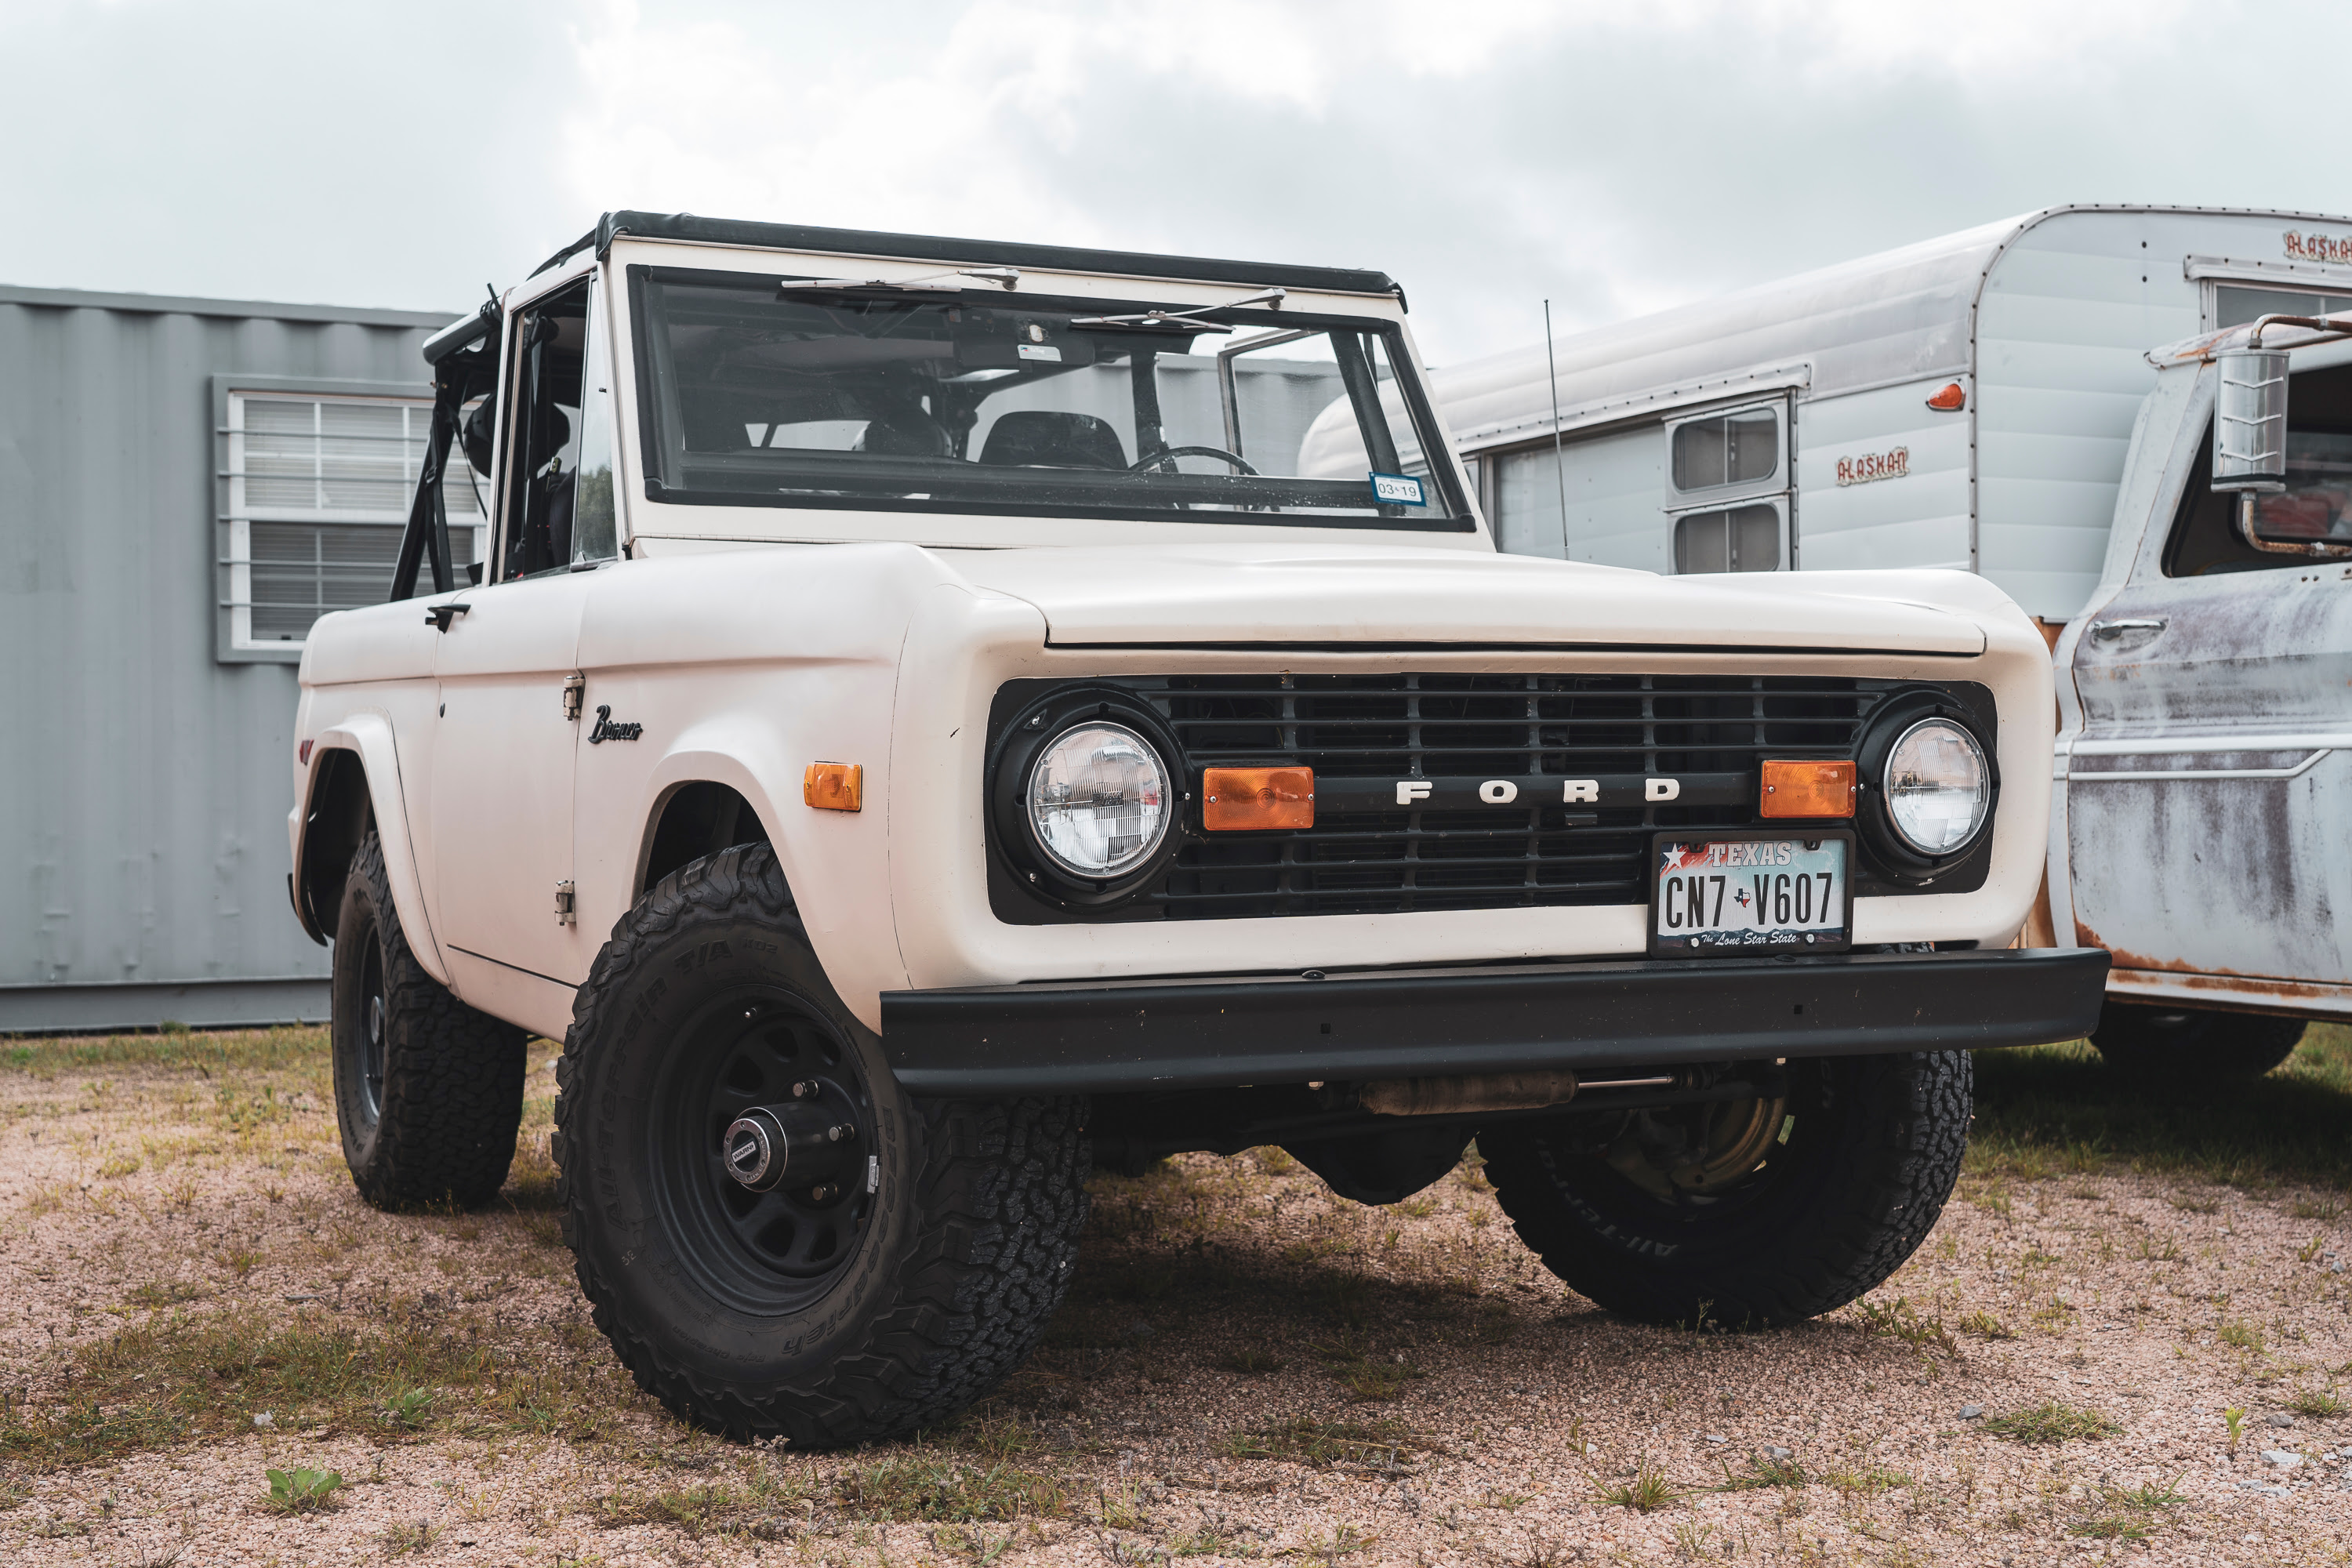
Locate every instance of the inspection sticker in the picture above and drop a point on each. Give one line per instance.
(1398, 489)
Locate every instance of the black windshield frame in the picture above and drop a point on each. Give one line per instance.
(1073, 495)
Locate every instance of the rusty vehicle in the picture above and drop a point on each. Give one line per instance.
(1994, 400)
(2199, 780)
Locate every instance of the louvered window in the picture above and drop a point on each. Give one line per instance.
(317, 490)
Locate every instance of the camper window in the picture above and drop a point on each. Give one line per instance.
(1736, 448)
(2234, 307)
(1744, 539)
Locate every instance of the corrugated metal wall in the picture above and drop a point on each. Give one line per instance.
(145, 784)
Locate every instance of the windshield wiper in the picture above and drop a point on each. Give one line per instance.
(1008, 277)
(1184, 320)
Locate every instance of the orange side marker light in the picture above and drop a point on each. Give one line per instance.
(834, 786)
(1950, 400)
(1807, 789)
(1236, 800)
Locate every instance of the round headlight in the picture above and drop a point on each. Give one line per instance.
(1937, 786)
(1098, 800)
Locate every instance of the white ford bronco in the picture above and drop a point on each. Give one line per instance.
(934, 717)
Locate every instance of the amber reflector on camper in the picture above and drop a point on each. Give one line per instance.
(1808, 789)
(1236, 800)
(1951, 400)
(834, 786)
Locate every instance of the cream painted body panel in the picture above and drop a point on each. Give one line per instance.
(745, 666)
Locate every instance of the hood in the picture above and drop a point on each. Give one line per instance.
(1241, 596)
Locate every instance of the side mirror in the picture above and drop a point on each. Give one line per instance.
(2250, 421)
(2249, 459)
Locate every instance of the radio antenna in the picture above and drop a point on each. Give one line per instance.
(1558, 463)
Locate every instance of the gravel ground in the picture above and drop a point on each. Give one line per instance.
(1248, 1368)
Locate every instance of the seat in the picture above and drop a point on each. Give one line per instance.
(905, 432)
(1053, 439)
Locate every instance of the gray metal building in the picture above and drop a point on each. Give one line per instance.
(185, 486)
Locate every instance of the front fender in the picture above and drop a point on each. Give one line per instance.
(369, 736)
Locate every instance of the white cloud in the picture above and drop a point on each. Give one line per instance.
(1617, 158)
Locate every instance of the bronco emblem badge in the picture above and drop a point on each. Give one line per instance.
(606, 730)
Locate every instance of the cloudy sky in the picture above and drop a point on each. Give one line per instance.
(1617, 158)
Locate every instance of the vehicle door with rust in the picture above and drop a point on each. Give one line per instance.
(2209, 795)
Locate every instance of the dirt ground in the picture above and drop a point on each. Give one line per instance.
(2123, 1340)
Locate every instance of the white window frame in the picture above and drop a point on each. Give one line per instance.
(234, 518)
(1709, 497)
(1776, 489)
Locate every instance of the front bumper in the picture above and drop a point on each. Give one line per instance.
(1226, 1031)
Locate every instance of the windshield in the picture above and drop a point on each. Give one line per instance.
(791, 394)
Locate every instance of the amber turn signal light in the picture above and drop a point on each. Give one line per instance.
(1807, 789)
(1950, 400)
(834, 786)
(1236, 800)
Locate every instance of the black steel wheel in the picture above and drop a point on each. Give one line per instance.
(765, 1246)
(1749, 1213)
(776, 1239)
(428, 1091)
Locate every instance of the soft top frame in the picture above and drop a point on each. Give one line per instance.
(979, 252)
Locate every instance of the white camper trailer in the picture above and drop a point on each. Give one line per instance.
(1964, 401)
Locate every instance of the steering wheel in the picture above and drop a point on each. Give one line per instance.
(1219, 453)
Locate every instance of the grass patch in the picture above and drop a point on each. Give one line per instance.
(2051, 1422)
(1868, 1480)
(230, 1051)
(2130, 1511)
(1985, 1326)
(2240, 1334)
(921, 1487)
(2318, 1401)
(1250, 1362)
(2044, 1108)
(2153, 1497)
(1374, 1445)
(1902, 1321)
(178, 1378)
(1763, 1470)
(1645, 1492)
(696, 1511)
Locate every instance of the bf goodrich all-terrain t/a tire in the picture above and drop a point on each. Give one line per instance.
(2178, 1046)
(428, 1091)
(776, 1239)
(1747, 1214)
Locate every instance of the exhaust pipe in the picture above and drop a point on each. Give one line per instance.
(1458, 1095)
(1490, 1091)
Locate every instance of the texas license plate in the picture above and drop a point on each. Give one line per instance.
(1750, 893)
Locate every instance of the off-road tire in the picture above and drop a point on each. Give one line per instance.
(440, 1128)
(2172, 1047)
(963, 1251)
(1872, 1155)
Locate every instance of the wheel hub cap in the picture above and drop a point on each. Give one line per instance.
(767, 1143)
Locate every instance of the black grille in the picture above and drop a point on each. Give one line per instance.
(1425, 726)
